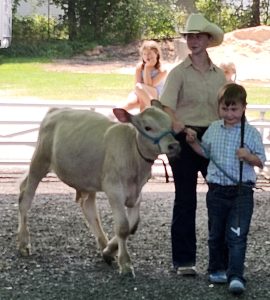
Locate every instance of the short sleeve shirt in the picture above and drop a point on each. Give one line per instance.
(192, 94)
(220, 145)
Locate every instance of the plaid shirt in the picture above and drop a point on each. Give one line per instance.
(220, 144)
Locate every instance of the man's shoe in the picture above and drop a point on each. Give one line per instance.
(187, 271)
(236, 286)
(218, 277)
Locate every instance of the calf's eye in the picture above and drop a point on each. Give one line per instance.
(147, 128)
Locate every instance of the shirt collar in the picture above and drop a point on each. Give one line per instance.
(238, 125)
(188, 62)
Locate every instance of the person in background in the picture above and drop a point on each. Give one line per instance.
(190, 98)
(149, 77)
(229, 203)
(229, 70)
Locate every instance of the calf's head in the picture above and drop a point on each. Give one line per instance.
(155, 125)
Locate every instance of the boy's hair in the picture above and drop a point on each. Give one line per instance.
(154, 46)
(231, 94)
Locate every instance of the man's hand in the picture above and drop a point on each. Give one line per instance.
(178, 126)
(191, 135)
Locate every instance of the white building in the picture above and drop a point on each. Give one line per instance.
(5, 23)
(37, 7)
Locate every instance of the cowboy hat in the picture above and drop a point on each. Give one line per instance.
(197, 23)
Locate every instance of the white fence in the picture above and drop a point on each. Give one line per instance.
(19, 124)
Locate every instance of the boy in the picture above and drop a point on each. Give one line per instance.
(229, 202)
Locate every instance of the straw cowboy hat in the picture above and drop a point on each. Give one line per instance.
(197, 23)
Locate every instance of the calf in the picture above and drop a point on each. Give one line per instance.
(90, 153)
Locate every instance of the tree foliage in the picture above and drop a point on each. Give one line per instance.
(122, 21)
(233, 14)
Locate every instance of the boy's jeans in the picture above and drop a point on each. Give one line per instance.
(228, 207)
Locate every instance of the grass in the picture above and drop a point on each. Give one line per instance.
(29, 78)
(257, 95)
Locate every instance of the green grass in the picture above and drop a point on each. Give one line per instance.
(257, 94)
(30, 78)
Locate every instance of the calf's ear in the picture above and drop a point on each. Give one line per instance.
(122, 115)
(156, 103)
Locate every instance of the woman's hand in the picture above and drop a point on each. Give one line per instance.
(150, 63)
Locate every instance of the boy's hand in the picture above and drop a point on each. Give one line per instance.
(252, 159)
(242, 153)
(191, 136)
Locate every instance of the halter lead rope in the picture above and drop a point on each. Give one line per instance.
(237, 230)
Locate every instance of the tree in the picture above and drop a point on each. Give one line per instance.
(122, 21)
(255, 8)
(71, 19)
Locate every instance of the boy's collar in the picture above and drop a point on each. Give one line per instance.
(238, 125)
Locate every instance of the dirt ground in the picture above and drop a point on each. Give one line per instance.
(65, 263)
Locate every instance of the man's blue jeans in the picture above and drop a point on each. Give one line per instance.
(229, 208)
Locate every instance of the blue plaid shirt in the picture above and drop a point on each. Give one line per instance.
(220, 144)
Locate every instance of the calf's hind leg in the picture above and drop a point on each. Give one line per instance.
(27, 192)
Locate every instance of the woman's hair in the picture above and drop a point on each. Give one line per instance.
(232, 93)
(151, 45)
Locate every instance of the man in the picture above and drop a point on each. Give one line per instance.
(190, 98)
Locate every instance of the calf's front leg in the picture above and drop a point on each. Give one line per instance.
(133, 219)
(122, 231)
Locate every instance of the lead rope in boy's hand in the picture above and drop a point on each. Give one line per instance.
(237, 229)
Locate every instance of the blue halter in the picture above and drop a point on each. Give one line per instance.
(157, 139)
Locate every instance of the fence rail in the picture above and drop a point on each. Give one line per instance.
(19, 124)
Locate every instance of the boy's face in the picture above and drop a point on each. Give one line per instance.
(231, 114)
(197, 42)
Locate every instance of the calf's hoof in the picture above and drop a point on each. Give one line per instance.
(108, 255)
(108, 258)
(127, 270)
(25, 251)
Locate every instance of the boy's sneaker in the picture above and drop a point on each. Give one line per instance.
(218, 277)
(236, 286)
(187, 271)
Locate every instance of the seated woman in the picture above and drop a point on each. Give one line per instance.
(149, 77)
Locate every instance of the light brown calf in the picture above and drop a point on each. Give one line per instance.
(90, 153)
